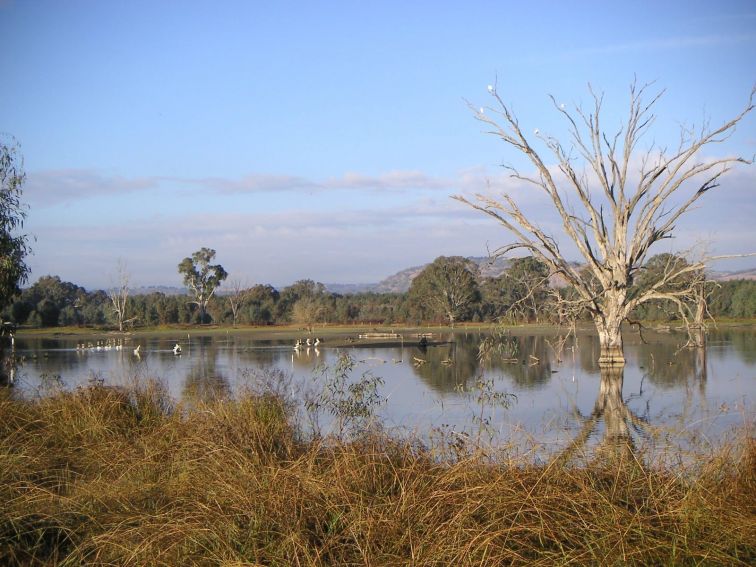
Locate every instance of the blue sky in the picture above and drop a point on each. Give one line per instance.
(323, 139)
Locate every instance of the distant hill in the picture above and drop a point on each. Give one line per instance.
(166, 289)
(346, 289)
(739, 275)
(400, 282)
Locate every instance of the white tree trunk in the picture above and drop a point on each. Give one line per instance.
(609, 327)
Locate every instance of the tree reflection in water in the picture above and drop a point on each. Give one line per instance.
(620, 424)
(204, 382)
(524, 359)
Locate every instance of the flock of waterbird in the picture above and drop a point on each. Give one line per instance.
(116, 344)
(304, 346)
(307, 343)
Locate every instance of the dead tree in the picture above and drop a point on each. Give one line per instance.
(613, 214)
(119, 294)
(237, 296)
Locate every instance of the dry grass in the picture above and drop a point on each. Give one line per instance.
(108, 476)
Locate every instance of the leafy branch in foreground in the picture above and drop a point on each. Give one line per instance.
(350, 403)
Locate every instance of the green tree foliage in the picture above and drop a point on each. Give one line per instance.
(13, 246)
(50, 302)
(202, 278)
(53, 302)
(667, 274)
(734, 299)
(313, 293)
(261, 304)
(448, 287)
(520, 293)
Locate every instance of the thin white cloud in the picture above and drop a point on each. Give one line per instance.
(263, 183)
(351, 246)
(254, 183)
(661, 44)
(357, 243)
(52, 187)
(649, 45)
(392, 180)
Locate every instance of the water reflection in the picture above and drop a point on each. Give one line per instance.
(559, 386)
(445, 367)
(611, 414)
(205, 382)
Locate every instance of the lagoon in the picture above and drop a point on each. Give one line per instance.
(554, 390)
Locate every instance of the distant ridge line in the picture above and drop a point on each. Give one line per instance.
(400, 281)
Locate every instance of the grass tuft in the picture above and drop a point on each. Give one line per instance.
(116, 476)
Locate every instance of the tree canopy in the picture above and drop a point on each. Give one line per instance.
(14, 247)
(448, 286)
(201, 277)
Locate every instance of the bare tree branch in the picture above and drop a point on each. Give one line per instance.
(615, 228)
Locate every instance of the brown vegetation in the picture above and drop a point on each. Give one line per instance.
(123, 477)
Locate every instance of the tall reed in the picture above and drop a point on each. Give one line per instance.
(114, 476)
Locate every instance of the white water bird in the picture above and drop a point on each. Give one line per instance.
(136, 350)
(177, 349)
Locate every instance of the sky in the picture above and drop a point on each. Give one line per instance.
(323, 140)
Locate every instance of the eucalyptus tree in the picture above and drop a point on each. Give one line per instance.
(314, 293)
(201, 277)
(524, 288)
(615, 201)
(447, 286)
(14, 247)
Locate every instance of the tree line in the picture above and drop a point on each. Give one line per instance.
(450, 290)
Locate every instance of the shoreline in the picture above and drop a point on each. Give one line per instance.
(295, 331)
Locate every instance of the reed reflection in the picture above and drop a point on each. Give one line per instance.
(669, 362)
(446, 367)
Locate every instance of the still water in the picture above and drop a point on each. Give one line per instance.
(556, 392)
